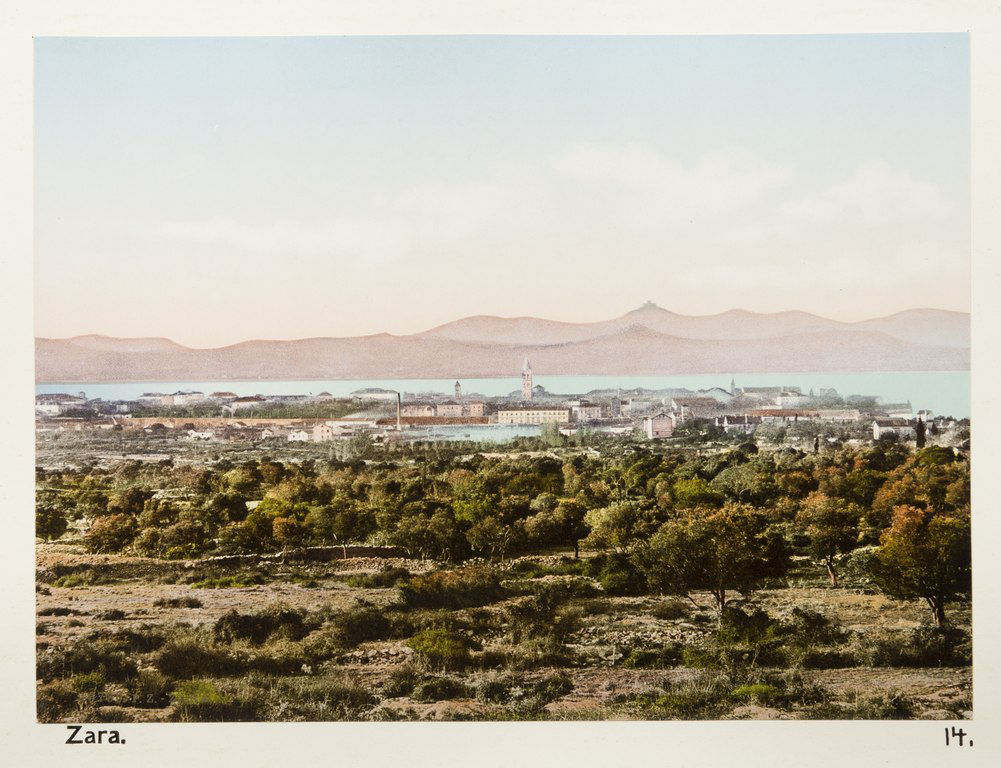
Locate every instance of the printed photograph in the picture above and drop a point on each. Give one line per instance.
(502, 378)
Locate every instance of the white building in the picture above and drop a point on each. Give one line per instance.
(533, 415)
(740, 423)
(298, 436)
(902, 428)
(449, 409)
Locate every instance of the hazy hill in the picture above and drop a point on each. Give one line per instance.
(650, 340)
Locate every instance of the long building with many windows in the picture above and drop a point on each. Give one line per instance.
(533, 415)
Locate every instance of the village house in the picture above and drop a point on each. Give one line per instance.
(694, 407)
(658, 426)
(449, 409)
(902, 428)
(244, 403)
(298, 436)
(718, 394)
(223, 396)
(783, 415)
(896, 410)
(196, 435)
(417, 408)
(183, 398)
(475, 408)
(533, 415)
(584, 411)
(737, 423)
(56, 403)
(839, 415)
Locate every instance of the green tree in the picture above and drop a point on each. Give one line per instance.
(831, 524)
(50, 522)
(110, 533)
(716, 550)
(925, 554)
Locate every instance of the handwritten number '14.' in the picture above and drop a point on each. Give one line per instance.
(955, 736)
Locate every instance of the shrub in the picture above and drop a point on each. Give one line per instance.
(616, 574)
(359, 625)
(553, 687)
(439, 689)
(54, 701)
(177, 602)
(388, 577)
(202, 701)
(84, 657)
(923, 647)
(195, 656)
(668, 610)
(60, 611)
(704, 698)
(762, 693)
(111, 533)
(112, 614)
(149, 689)
(441, 648)
(463, 588)
(258, 627)
(401, 682)
(92, 682)
(230, 581)
(668, 655)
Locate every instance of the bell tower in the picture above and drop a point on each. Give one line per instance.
(458, 392)
(526, 381)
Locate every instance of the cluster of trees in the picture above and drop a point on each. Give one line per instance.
(682, 521)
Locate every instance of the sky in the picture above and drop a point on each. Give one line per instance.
(213, 190)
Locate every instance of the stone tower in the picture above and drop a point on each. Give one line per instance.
(458, 392)
(526, 381)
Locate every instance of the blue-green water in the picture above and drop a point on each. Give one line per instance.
(945, 393)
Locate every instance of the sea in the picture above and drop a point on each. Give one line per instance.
(945, 393)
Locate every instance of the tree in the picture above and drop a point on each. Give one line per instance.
(50, 522)
(832, 525)
(925, 554)
(919, 434)
(110, 533)
(717, 550)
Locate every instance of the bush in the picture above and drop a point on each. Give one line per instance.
(359, 625)
(258, 627)
(111, 533)
(439, 689)
(388, 577)
(202, 701)
(149, 689)
(616, 574)
(112, 614)
(196, 656)
(54, 701)
(923, 647)
(177, 602)
(401, 682)
(669, 610)
(553, 687)
(463, 588)
(761, 693)
(441, 648)
(92, 682)
(231, 581)
(85, 657)
(668, 655)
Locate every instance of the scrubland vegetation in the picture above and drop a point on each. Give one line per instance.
(628, 582)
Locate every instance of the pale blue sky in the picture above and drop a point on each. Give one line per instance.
(213, 190)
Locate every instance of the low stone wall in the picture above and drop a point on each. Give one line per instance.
(305, 555)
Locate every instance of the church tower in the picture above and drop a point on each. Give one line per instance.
(458, 392)
(526, 381)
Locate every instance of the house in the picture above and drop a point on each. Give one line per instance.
(737, 423)
(839, 415)
(792, 400)
(55, 403)
(783, 415)
(583, 411)
(896, 410)
(196, 435)
(449, 409)
(718, 394)
(926, 416)
(417, 408)
(475, 408)
(223, 396)
(902, 428)
(658, 426)
(763, 393)
(182, 398)
(244, 403)
(694, 407)
(298, 436)
(533, 415)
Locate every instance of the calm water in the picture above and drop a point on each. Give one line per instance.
(945, 393)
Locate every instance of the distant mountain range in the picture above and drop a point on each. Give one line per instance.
(649, 340)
